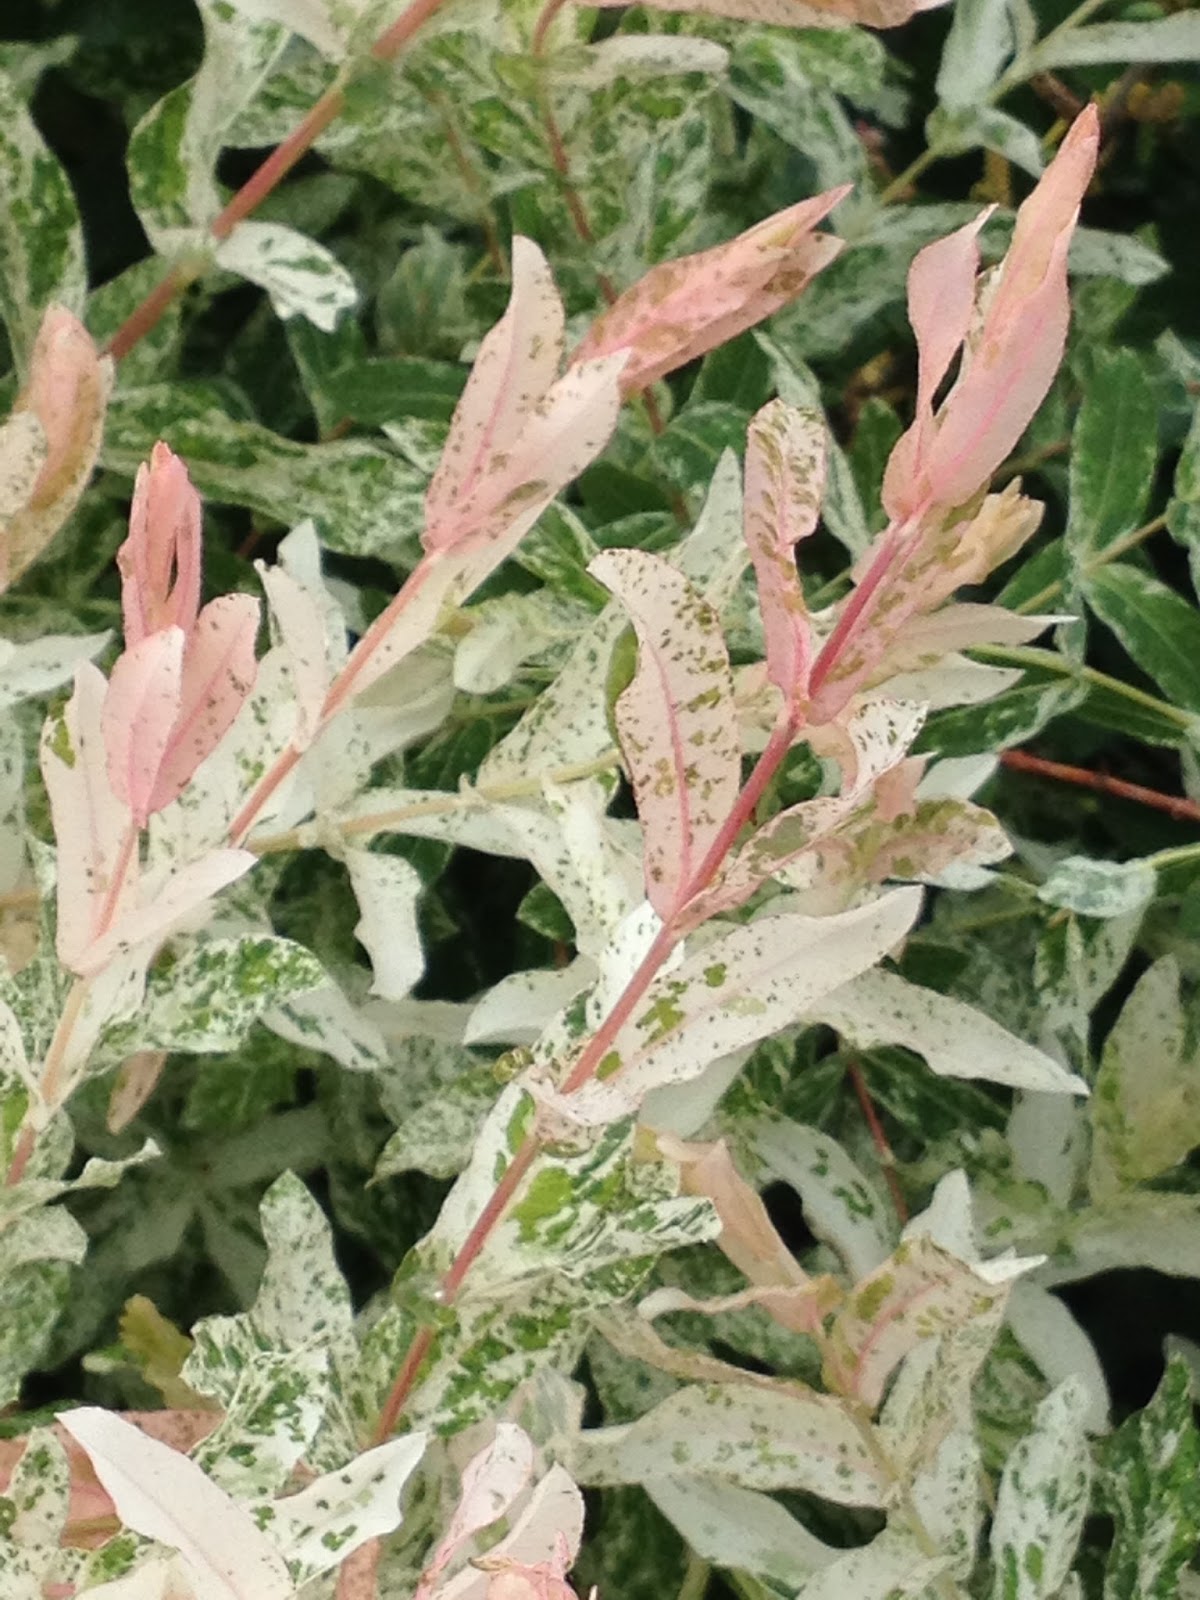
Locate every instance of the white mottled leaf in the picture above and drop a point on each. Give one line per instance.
(956, 1040)
(1100, 888)
(758, 1437)
(1043, 1499)
(741, 1529)
(327, 1521)
(301, 276)
(746, 984)
(387, 889)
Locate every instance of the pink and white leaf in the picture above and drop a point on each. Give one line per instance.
(677, 722)
(516, 365)
(683, 308)
(166, 1497)
(167, 906)
(160, 560)
(547, 1532)
(1011, 361)
(746, 984)
(941, 303)
(140, 710)
(491, 1482)
(921, 1292)
(300, 626)
(785, 480)
(91, 824)
(219, 669)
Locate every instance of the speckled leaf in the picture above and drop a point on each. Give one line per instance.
(209, 998)
(920, 1292)
(891, 1567)
(320, 1526)
(760, 1438)
(32, 1295)
(165, 1496)
(301, 276)
(1148, 1486)
(957, 1040)
(785, 479)
(1043, 1499)
(842, 1208)
(38, 665)
(387, 889)
(740, 1529)
(1099, 888)
(1175, 38)
(364, 499)
(746, 984)
(1146, 1111)
(1157, 626)
(173, 150)
(676, 720)
(41, 241)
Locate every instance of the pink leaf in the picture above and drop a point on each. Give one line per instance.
(785, 479)
(218, 674)
(683, 308)
(160, 560)
(91, 825)
(516, 364)
(1012, 361)
(67, 392)
(140, 710)
(677, 721)
(800, 13)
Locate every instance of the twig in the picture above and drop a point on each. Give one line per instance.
(887, 1159)
(1176, 806)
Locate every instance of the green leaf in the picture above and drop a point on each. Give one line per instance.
(688, 449)
(1114, 450)
(1008, 718)
(1149, 1471)
(1158, 629)
(1167, 39)
(1095, 253)
(389, 388)
(41, 241)
(365, 500)
(1183, 511)
(31, 1297)
(1043, 1499)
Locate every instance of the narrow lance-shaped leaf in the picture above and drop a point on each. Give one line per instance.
(802, 13)
(747, 984)
(676, 720)
(517, 438)
(491, 1481)
(1011, 361)
(1043, 1499)
(785, 479)
(165, 1496)
(683, 308)
(90, 822)
(160, 559)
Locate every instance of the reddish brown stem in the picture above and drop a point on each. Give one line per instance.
(887, 1160)
(1177, 806)
(267, 177)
